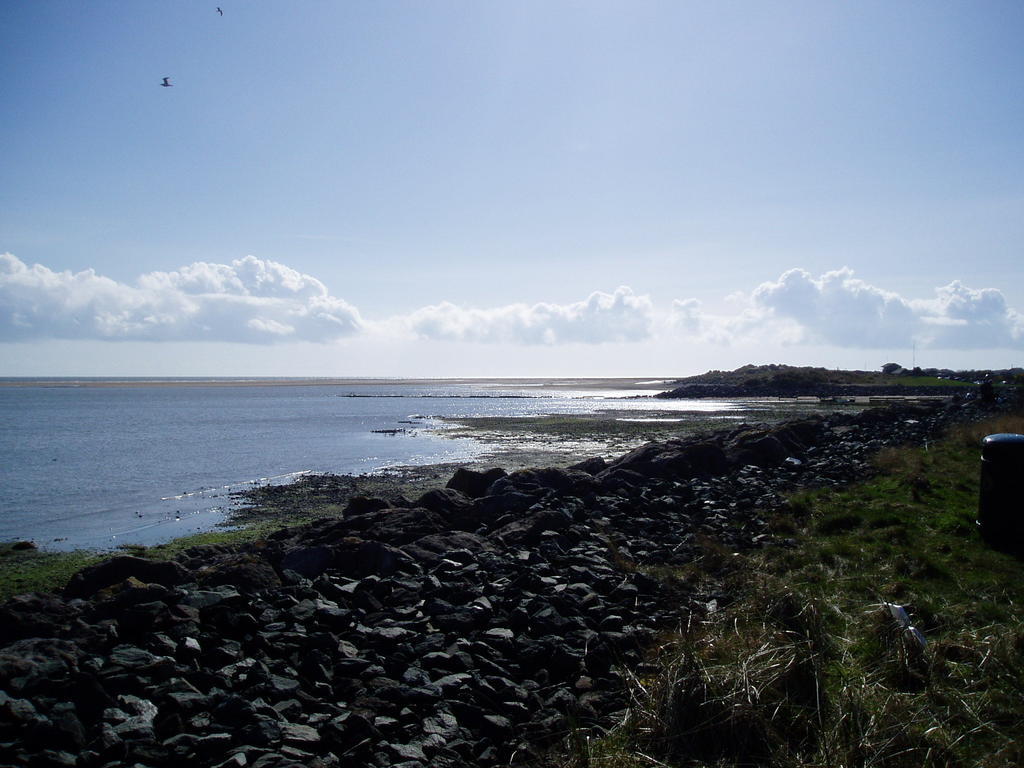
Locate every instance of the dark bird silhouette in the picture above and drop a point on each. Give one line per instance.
(167, 83)
(220, 11)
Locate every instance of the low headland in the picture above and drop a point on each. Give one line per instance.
(805, 591)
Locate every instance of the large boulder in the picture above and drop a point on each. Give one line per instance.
(361, 505)
(762, 451)
(91, 580)
(372, 558)
(400, 526)
(798, 436)
(308, 561)
(435, 547)
(567, 481)
(489, 508)
(591, 466)
(706, 460)
(472, 483)
(673, 460)
(395, 525)
(618, 480)
(244, 572)
(445, 501)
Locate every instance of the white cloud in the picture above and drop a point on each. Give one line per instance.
(688, 316)
(621, 316)
(841, 310)
(964, 318)
(837, 308)
(250, 300)
(261, 301)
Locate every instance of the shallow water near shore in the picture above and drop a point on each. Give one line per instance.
(114, 463)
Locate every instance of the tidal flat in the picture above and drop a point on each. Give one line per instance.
(513, 442)
(611, 432)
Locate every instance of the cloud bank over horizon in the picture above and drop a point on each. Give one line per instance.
(250, 300)
(838, 308)
(601, 317)
(259, 301)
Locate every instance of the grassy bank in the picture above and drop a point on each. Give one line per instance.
(27, 569)
(33, 570)
(809, 667)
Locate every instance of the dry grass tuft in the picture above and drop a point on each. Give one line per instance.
(738, 694)
(970, 435)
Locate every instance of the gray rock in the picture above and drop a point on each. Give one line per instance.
(297, 735)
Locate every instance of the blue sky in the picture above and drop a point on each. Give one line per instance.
(509, 188)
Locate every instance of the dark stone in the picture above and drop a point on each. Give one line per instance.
(65, 731)
(619, 479)
(591, 466)
(308, 561)
(360, 505)
(672, 460)
(234, 711)
(529, 530)
(706, 460)
(398, 526)
(349, 730)
(571, 481)
(244, 572)
(472, 483)
(263, 732)
(406, 752)
(763, 451)
(31, 664)
(89, 696)
(54, 758)
(489, 508)
(438, 546)
(91, 580)
(34, 615)
(373, 557)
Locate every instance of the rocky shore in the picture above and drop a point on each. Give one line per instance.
(804, 389)
(470, 626)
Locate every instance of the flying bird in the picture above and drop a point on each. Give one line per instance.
(167, 83)
(220, 11)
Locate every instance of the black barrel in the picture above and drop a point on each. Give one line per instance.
(1001, 500)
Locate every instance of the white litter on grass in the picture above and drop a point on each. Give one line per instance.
(901, 617)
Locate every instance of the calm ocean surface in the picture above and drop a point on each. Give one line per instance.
(100, 466)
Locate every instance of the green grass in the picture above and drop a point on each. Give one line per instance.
(30, 570)
(273, 507)
(926, 381)
(807, 669)
(776, 375)
(33, 570)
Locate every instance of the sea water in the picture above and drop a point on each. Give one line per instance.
(107, 464)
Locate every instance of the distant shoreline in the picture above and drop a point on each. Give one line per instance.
(647, 384)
